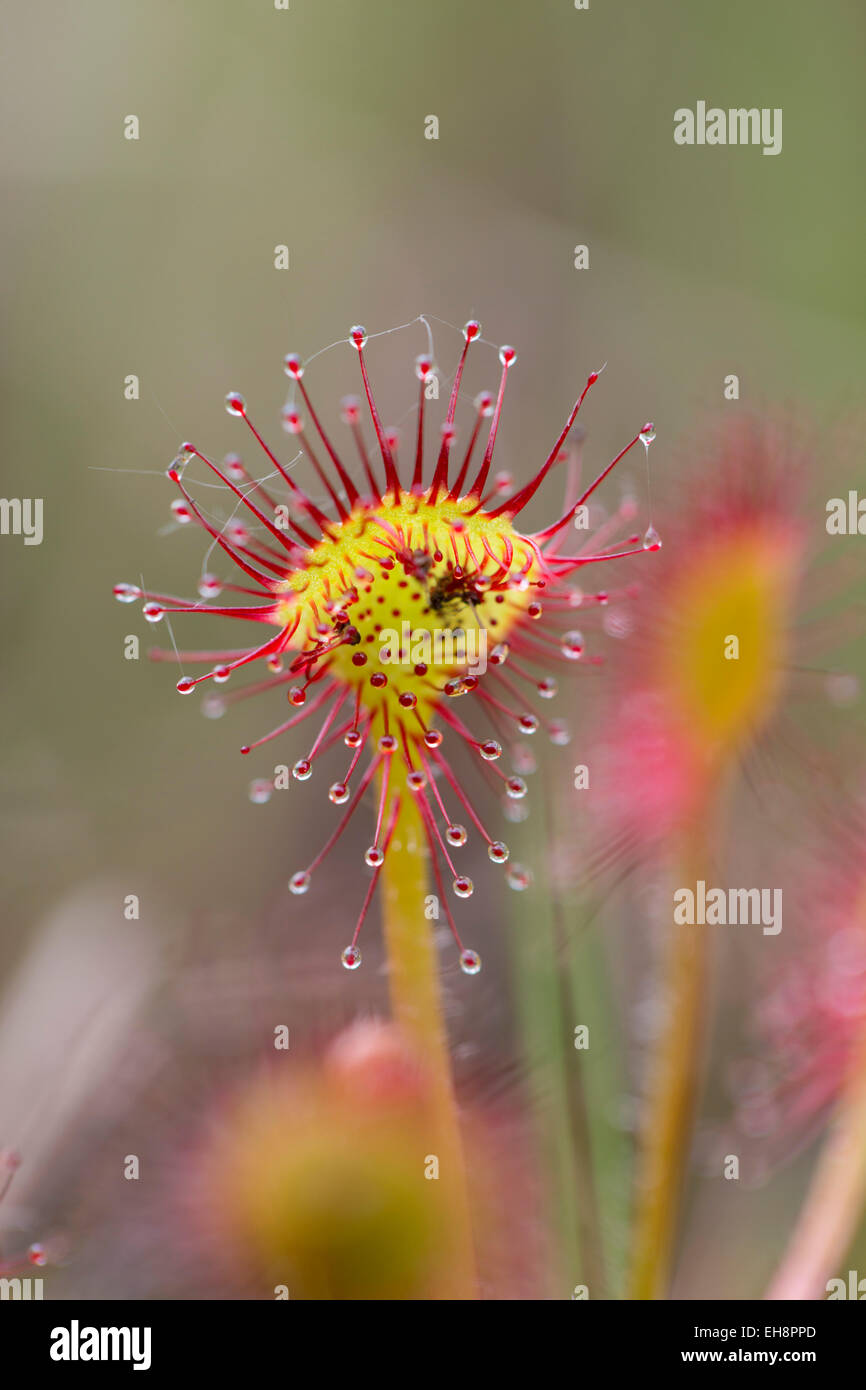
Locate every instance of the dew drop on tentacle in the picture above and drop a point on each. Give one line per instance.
(524, 760)
(126, 593)
(571, 645)
(374, 857)
(186, 685)
(456, 835)
(260, 791)
(518, 877)
(448, 434)
(560, 734)
(338, 793)
(299, 882)
(490, 750)
(303, 769)
(470, 962)
(652, 540)
(463, 887)
(209, 586)
(153, 612)
(516, 788)
(433, 738)
(176, 468)
(351, 957)
(498, 851)
(647, 434)
(235, 404)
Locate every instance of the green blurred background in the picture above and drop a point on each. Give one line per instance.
(306, 127)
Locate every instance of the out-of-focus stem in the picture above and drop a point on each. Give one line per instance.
(674, 1080)
(417, 1007)
(835, 1200)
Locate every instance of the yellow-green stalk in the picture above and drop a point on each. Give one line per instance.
(416, 1002)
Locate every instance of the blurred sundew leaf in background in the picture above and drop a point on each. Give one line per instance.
(157, 257)
(66, 1013)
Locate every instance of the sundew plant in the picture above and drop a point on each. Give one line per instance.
(400, 611)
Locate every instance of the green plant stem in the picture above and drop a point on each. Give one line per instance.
(416, 1002)
(674, 1080)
